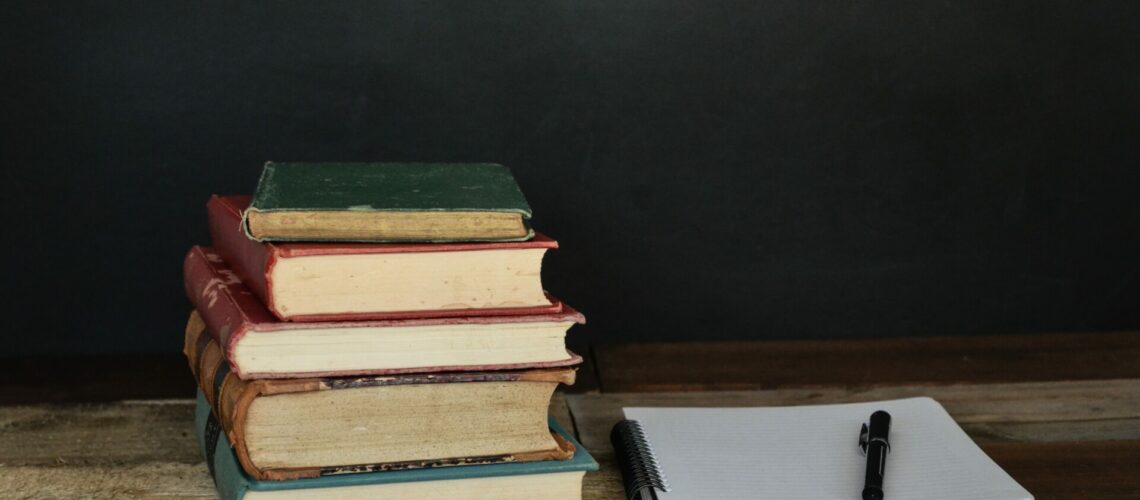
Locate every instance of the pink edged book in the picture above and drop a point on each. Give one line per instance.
(257, 344)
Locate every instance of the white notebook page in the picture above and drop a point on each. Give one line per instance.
(812, 453)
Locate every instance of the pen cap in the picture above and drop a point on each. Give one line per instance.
(879, 426)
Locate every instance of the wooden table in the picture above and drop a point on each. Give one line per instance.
(1061, 413)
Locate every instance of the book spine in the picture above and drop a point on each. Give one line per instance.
(228, 478)
(266, 179)
(209, 288)
(206, 361)
(250, 260)
(226, 394)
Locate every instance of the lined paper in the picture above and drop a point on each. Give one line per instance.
(812, 453)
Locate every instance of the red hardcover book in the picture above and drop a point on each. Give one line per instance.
(353, 281)
(258, 345)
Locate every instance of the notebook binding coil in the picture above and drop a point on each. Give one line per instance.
(640, 468)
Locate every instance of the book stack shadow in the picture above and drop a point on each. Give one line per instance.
(380, 331)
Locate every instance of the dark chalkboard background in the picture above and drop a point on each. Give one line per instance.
(743, 169)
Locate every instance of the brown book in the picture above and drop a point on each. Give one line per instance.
(309, 427)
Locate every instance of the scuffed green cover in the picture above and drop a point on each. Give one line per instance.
(415, 187)
(232, 483)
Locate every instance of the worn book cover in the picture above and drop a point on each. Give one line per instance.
(387, 202)
(552, 479)
(353, 281)
(258, 345)
(418, 424)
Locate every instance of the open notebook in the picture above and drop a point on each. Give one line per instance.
(811, 452)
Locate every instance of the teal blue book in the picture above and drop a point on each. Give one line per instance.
(554, 479)
(387, 202)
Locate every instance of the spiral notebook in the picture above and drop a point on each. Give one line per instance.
(804, 452)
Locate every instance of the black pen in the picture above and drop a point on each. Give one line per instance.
(875, 445)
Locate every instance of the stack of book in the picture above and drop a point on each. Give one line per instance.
(380, 331)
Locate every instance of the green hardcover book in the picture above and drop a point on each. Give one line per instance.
(553, 479)
(387, 202)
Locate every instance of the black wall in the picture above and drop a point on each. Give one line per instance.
(744, 169)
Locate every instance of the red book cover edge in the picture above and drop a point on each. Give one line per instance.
(253, 262)
(230, 310)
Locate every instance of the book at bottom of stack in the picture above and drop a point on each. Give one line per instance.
(557, 479)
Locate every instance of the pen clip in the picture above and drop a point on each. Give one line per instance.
(864, 434)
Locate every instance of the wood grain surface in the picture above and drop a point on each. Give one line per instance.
(127, 449)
